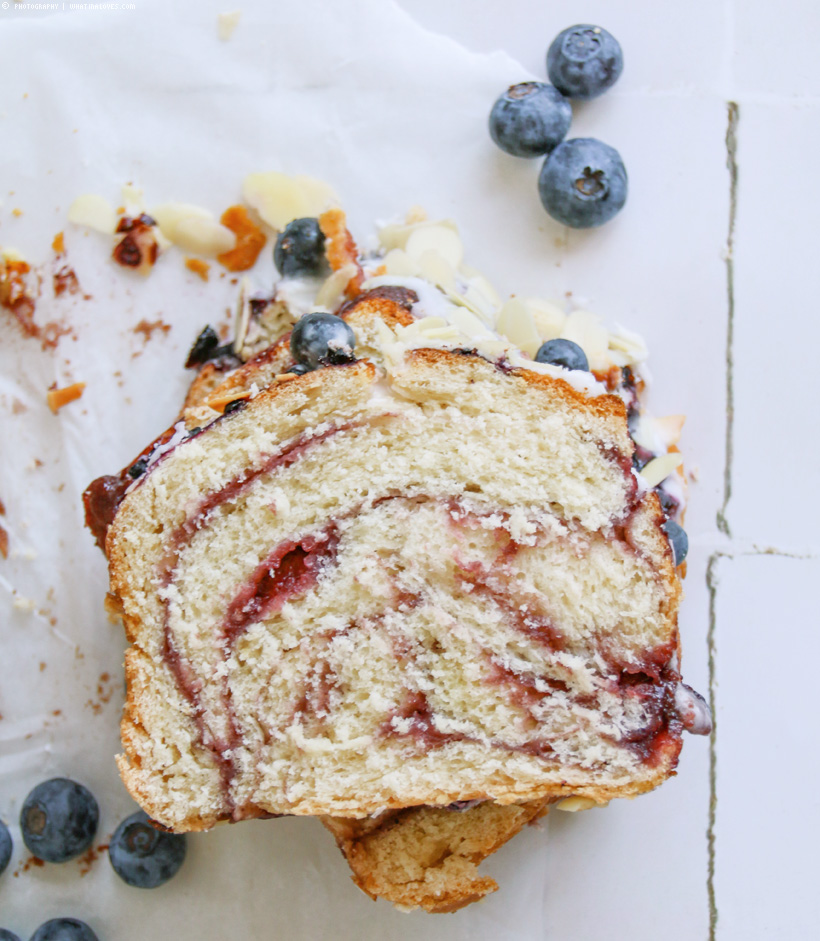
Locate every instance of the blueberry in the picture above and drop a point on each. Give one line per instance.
(584, 61)
(322, 340)
(678, 540)
(583, 183)
(530, 119)
(300, 249)
(5, 847)
(64, 929)
(6, 935)
(58, 820)
(143, 856)
(138, 468)
(562, 353)
(299, 369)
(235, 406)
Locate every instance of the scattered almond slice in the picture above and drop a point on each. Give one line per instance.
(57, 398)
(93, 212)
(168, 215)
(516, 322)
(436, 268)
(440, 239)
(58, 244)
(586, 329)
(250, 240)
(226, 23)
(398, 263)
(278, 198)
(319, 195)
(397, 235)
(219, 402)
(574, 804)
(332, 292)
(548, 316)
(203, 237)
(660, 468)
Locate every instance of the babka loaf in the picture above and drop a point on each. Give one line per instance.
(426, 579)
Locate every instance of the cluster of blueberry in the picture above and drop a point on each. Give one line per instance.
(58, 822)
(583, 181)
(317, 339)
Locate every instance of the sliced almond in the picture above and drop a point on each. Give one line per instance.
(415, 214)
(398, 263)
(94, 212)
(661, 467)
(9, 254)
(587, 330)
(319, 195)
(440, 239)
(278, 198)
(57, 398)
(203, 237)
(515, 321)
(332, 291)
(627, 348)
(437, 269)
(168, 216)
(226, 23)
(574, 804)
(548, 316)
(397, 236)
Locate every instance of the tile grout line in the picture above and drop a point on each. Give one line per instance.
(733, 114)
(711, 583)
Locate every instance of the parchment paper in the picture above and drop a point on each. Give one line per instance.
(353, 92)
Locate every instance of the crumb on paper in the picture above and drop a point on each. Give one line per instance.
(18, 407)
(19, 286)
(4, 543)
(198, 266)
(24, 604)
(250, 240)
(17, 213)
(105, 690)
(65, 280)
(57, 398)
(90, 856)
(139, 247)
(27, 864)
(149, 327)
(226, 23)
(58, 244)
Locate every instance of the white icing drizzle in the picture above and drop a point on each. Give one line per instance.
(693, 710)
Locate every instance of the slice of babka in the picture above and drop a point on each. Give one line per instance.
(402, 578)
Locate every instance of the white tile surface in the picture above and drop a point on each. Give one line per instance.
(777, 333)
(768, 810)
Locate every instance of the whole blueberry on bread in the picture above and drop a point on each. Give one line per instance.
(422, 594)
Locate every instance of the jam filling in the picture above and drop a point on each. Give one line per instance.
(290, 570)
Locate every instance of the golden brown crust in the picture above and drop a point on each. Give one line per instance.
(427, 857)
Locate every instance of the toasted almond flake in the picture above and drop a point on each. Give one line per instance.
(515, 321)
(332, 291)
(278, 198)
(574, 804)
(242, 315)
(398, 234)
(439, 333)
(94, 212)
(58, 244)
(440, 239)
(226, 23)
(57, 398)
(17, 213)
(219, 402)
(198, 267)
(660, 468)
(285, 377)
(467, 322)
(250, 239)
(586, 329)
